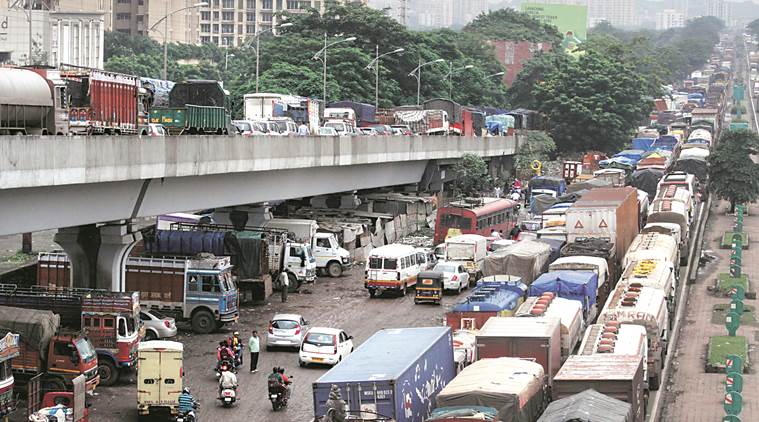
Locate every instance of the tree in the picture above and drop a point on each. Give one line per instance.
(471, 176)
(733, 175)
(522, 91)
(509, 24)
(592, 103)
(538, 146)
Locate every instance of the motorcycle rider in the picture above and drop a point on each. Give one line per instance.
(227, 380)
(186, 402)
(224, 352)
(277, 384)
(285, 381)
(236, 345)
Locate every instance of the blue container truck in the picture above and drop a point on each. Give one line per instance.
(396, 374)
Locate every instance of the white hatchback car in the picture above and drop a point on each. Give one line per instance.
(325, 345)
(286, 330)
(455, 276)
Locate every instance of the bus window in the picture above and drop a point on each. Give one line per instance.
(375, 263)
(391, 264)
(456, 222)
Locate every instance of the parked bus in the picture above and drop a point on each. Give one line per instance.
(475, 216)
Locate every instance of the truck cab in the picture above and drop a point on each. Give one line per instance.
(68, 356)
(300, 262)
(330, 257)
(209, 284)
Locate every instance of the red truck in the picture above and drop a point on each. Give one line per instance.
(104, 102)
(72, 404)
(55, 355)
(110, 320)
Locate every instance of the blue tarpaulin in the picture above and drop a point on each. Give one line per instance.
(618, 163)
(575, 285)
(666, 142)
(493, 296)
(631, 154)
(642, 143)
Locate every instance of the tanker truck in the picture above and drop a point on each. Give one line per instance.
(32, 102)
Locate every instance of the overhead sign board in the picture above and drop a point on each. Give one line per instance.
(570, 19)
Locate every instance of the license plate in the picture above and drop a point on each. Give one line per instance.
(318, 359)
(227, 399)
(273, 396)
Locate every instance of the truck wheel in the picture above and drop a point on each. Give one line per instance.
(53, 384)
(203, 322)
(334, 269)
(372, 293)
(108, 372)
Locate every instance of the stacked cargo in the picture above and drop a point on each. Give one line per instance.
(493, 296)
(568, 312)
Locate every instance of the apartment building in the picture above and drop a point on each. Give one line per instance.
(619, 13)
(669, 18)
(720, 9)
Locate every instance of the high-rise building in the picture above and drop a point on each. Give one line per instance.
(670, 18)
(719, 9)
(432, 13)
(619, 13)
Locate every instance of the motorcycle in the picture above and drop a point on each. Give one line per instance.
(228, 396)
(279, 398)
(188, 416)
(224, 365)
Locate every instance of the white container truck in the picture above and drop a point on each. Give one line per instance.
(471, 249)
(330, 257)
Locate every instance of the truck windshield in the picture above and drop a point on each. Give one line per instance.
(85, 349)
(126, 326)
(226, 282)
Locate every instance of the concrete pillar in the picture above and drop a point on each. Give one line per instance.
(81, 244)
(116, 241)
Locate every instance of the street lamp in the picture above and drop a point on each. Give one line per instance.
(165, 20)
(227, 55)
(495, 74)
(257, 36)
(324, 61)
(417, 73)
(375, 63)
(451, 71)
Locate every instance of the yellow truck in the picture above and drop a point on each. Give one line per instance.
(159, 377)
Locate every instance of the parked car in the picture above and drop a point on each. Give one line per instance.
(367, 131)
(382, 129)
(248, 128)
(327, 131)
(455, 275)
(325, 345)
(157, 325)
(286, 330)
(155, 130)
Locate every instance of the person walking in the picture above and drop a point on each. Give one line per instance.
(254, 345)
(284, 284)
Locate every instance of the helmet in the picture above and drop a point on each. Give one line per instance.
(186, 390)
(236, 333)
(275, 370)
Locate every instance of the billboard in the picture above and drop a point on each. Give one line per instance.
(572, 20)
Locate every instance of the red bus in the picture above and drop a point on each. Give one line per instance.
(476, 216)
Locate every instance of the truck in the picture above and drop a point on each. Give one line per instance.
(661, 275)
(654, 246)
(33, 102)
(580, 286)
(452, 109)
(647, 307)
(588, 402)
(365, 113)
(343, 120)
(546, 185)
(199, 290)
(266, 106)
(469, 249)
(102, 102)
(516, 388)
(57, 355)
(587, 263)
(617, 376)
(569, 312)
(159, 377)
(62, 405)
(330, 257)
(525, 259)
(416, 364)
(9, 349)
(110, 320)
(615, 339)
(424, 122)
(537, 339)
(196, 107)
(254, 267)
(607, 213)
(493, 296)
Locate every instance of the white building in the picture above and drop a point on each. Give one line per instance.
(718, 8)
(56, 37)
(669, 18)
(619, 13)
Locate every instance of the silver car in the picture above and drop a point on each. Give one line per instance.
(286, 330)
(157, 325)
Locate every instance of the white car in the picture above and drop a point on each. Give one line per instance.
(455, 276)
(328, 131)
(325, 345)
(157, 325)
(286, 330)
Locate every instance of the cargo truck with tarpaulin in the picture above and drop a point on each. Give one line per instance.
(516, 388)
(594, 264)
(9, 348)
(647, 307)
(569, 313)
(493, 296)
(617, 376)
(588, 404)
(46, 349)
(537, 339)
(525, 259)
(581, 286)
(110, 320)
(423, 122)
(394, 375)
(196, 107)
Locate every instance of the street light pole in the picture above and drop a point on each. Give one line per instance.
(375, 63)
(324, 62)
(450, 76)
(417, 73)
(165, 20)
(226, 59)
(257, 35)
